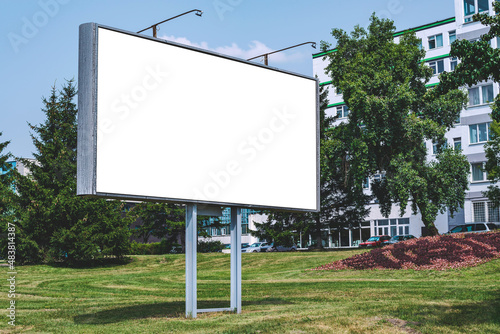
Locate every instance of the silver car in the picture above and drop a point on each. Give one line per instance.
(474, 227)
(255, 247)
(278, 248)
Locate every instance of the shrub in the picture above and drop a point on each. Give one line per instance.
(209, 246)
(437, 252)
(154, 248)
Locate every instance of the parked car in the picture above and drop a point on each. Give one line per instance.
(278, 248)
(266, 246)
(374, 241)
(397, 238)
(474, 227)
(255, 247)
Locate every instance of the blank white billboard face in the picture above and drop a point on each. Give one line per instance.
(167, 122)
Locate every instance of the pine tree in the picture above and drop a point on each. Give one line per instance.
(56, 223)
(160, 220)
(6, 182)
(7, 196)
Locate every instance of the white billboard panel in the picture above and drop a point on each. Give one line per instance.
(163, 121)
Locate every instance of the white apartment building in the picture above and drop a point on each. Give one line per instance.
(470, 132)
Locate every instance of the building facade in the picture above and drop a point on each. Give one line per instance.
(470, 133)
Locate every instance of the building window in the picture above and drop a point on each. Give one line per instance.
(478, 172)
(487, 93)
(435, 41)
(378, 177)
(437, 66)
(436, 148)
(457, 144)
(479, 133)
(383, 222)
(342, 111)
(338, 91)
(453, 63)
(474, 96)
(452, 36)
(392, 227)
(493, 213)
(472, 7)
(481, 95)
(479, 211)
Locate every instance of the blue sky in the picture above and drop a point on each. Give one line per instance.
(39, 38)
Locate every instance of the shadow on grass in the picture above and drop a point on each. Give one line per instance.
(159, 310)
(485, 312)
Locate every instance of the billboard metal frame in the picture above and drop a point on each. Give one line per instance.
(87, 121)
(87, 165)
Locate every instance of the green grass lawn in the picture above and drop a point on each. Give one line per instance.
(279, 296)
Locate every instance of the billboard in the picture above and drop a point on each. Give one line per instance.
(168, 122)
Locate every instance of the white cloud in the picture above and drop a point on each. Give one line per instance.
(255, 48)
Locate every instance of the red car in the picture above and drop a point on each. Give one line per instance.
(374, 241)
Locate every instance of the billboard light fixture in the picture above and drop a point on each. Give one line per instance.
(155, 26)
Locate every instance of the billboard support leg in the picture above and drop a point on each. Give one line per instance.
(191, 244)
(236, 259)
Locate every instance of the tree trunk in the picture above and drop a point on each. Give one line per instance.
(429, 224)
(431, 228)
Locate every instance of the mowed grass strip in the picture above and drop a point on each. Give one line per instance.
(279, 296)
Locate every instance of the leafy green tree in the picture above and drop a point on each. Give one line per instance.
(480, 62)
(392, 113)
(54, 223)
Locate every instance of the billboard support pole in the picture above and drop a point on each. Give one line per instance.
(191, 244)
(236, 259)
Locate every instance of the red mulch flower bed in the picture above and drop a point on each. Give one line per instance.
(436, 253)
